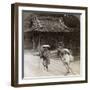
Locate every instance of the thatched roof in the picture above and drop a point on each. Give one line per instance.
(46, 24)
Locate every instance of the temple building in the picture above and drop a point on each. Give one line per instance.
(42, 29)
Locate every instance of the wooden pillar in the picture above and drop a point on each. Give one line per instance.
(33, 41)
(57, 40)
(39, 41)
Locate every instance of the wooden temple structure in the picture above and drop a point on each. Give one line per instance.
(41, 29)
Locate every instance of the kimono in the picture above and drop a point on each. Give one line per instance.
(45, 56)
(65, 55)
(67, 58)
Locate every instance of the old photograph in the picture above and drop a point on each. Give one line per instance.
(51, 44)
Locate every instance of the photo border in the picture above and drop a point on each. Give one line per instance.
(15, 48)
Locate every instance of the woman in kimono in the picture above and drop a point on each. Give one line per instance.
(45, 56)
(66, 59)
(65, 56)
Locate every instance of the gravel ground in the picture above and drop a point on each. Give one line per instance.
(33, 66)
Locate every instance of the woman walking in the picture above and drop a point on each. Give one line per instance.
(45, 56)
(66, 57)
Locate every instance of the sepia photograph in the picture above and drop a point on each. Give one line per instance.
(49, 44)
